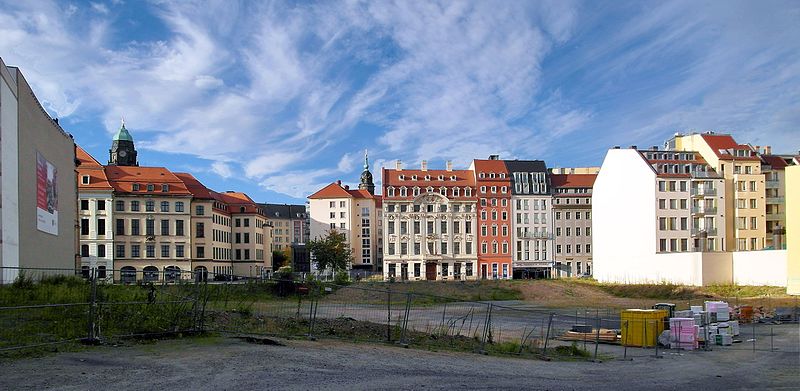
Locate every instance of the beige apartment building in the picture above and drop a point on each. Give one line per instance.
(96, 216)
(252, 236)
(572, 222)
(290, 224)
(774, 169)
(151, 224)
(744, 195)
(38, 189)
(353, 213)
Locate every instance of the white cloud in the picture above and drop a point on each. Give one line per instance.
(206, 82)
(99, 8)
(222, 169)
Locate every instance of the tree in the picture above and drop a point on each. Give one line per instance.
(279, 259)
(331, 251)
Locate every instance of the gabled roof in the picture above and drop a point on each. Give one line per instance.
(776, 162)
(239, 203)
(334, 190)
(573, 180)
(489, 165)
(284, 211)
(194, 186)
(122, 178)
(91, 167)
(723, 144)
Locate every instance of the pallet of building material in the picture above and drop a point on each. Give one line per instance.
(606, 335)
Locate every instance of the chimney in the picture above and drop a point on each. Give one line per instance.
(339, 182)
(768, 150)
(616, 147)
(424, 165)
(655, 147)
(633, 147)
(347, 187)
(398, 165)
(449, 165)
(494, 157)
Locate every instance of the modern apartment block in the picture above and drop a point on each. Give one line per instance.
(744, 190)
(430, 224)
(38, 190)
(532, 213)
(353, 212)
(793, 231)
(774, 168)
(572, 222)
(494, 217)
(96, 216)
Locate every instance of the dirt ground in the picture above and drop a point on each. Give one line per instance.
(226, 364)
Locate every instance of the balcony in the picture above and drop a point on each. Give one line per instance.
(703, 192)
(773, 184)
(536, 235)
(704, 210)
(776, 216)
(710, 231)
(705, 174)
(775, 200)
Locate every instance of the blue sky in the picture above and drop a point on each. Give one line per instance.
(278, 99)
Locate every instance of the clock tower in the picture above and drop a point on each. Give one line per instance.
(122, 152)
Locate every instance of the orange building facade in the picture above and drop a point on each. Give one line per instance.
(494, 218)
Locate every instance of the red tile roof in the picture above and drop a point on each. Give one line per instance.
(122, 178)
(334, 190)
(721, 144)
(91, 167)
(463, 178)
(776, 162)
(195, 187)
(572, 180)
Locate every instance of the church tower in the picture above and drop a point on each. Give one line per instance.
(366, 177)
(122, 152)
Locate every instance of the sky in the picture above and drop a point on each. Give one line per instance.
(278, 99)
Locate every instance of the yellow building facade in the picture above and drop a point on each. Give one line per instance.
(793, 229)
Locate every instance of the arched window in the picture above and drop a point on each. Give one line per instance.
(494, 247)
(467, 192)
(172, 273)
(416, 191)
(390, 191)
(128, 275)
(201, 274)
(481, 175)
(150, 273)
(179, 206)
(403, 191)
(455, 192)
(429, 189)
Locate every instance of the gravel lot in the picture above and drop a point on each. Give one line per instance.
(227, 363)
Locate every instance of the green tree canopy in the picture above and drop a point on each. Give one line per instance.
(331, 251)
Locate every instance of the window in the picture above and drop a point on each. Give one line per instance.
(179, 206)
(247, 237)
(179, 251)
(238, 222)
(84, 250)
(134, 206)
(150, 227)
(165, 227)
(569, 249)
(135, 187)
(151, 187)
(120, 251)
(164, 206)
(179, 228)
(200, 251)
(119, 206)
(558, 249)
(101, 227)
(150, 206)
(101, 205)
(753, 203)
(165, 188)
(238, 237)
(333, 204)
(247, 222)
(85, 179)
(84, 204)
(588, 248)
(417, 271)
(120, 227)
(101, 251)
(341, 204)
(135, 251)
(754, 223)
(199, 230)
(164, 251)
(151, 250)
(84, 226)
(135, 227)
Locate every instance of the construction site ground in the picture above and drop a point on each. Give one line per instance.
(219, 363)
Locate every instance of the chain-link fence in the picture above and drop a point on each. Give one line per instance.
(44, 308)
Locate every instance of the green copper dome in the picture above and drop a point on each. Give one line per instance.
(123, 134)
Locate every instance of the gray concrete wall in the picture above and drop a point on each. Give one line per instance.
(38, 132)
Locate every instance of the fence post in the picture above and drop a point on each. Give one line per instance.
(547, 336)
(655, 330)
(312, 316)
(625, 343)
(444, 312)
(403, 340)
(388, 315)
(486, 328)
(771, 339)
(754, 338)
(91, 337)
(597, 337)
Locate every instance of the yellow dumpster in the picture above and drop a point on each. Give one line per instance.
(641, 327)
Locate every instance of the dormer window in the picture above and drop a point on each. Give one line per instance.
(455, 192)
(491, 175)
(85, 179)
(416, 191)
(502, 175)
(441, 177)
(403, 191)
(430, 189)
(452, 177)
(135, 187)
(150, 187)
(165, 188)
(443, 191)
(390, 191)
(467, 192)
(427, 177)
(413, 177)
(401, 177)
(481, 175)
